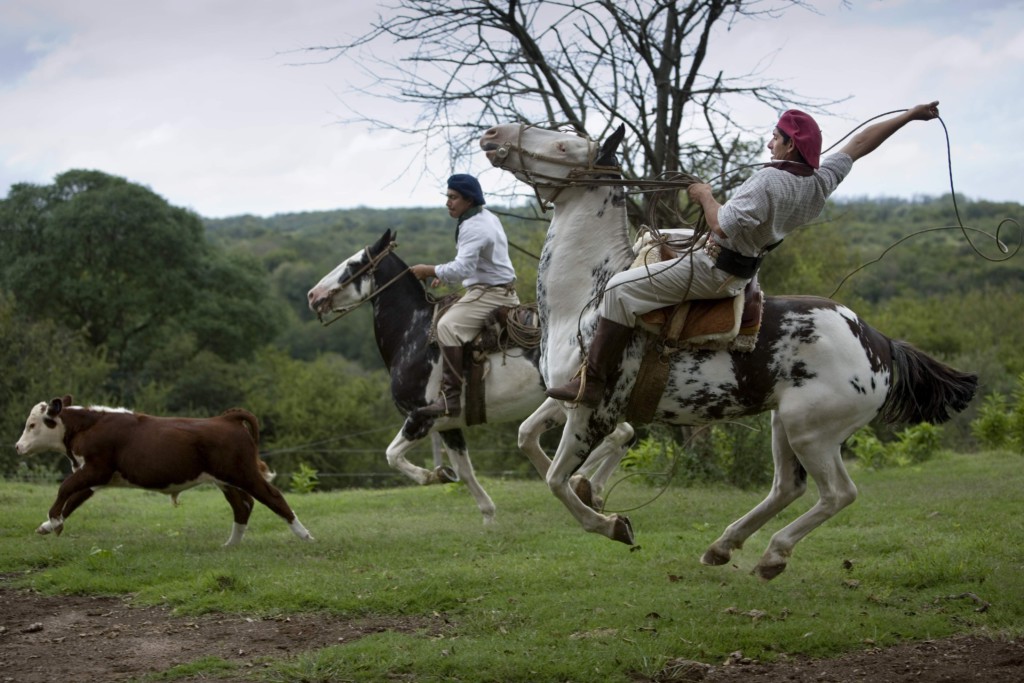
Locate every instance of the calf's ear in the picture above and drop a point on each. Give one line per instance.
(55, 407)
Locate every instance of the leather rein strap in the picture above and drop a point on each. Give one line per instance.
(370, 267)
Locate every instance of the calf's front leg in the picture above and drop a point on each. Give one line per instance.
(73, 491)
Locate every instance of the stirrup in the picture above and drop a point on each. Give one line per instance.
(441, 407)
(582, 376)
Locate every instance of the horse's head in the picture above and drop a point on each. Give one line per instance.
(351, 282)
(549, 158)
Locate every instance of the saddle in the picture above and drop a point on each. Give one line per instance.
(731, 323)
(506, 327)
(714, 324)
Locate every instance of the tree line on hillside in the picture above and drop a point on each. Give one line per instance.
(119, 298)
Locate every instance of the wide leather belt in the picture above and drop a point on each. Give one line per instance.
(734, 262)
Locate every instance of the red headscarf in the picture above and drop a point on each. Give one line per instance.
(804, 132)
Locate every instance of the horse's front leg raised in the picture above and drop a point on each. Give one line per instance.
(590, 480)
(396, 451)
(571, 452)
(548, 415)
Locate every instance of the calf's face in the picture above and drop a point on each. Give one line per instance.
(42, 433)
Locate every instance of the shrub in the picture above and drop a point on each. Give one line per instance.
(304, 479)
(912, 445)
(868, 449)
(999, 425)
(917, 444)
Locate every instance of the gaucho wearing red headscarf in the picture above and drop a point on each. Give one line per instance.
(775, 200)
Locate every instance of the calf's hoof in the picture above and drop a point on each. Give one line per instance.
(49, 527)
(623, 531)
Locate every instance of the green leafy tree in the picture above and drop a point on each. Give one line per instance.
(38, 361)
(135, 276)
(103, 255)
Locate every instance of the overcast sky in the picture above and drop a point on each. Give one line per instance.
(197, 99)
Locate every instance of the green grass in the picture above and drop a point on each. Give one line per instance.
(534, 598)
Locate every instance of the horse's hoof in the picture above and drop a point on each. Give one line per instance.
(714, 557)
(446, 475)
(769, 572)
(581, 487)
(623, 531)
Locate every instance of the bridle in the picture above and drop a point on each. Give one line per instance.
(368, 268)
(591, 175)
(577, 175)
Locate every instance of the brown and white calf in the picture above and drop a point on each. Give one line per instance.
(116, 447)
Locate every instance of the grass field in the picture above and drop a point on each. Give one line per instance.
(534, 598)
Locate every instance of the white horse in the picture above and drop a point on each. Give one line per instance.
(821, 371)
(401, 322)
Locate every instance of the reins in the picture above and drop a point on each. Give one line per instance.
(369, 267)
(591, 176)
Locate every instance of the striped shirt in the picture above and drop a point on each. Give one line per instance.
(772, 203)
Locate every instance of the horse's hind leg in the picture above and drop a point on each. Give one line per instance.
(455, 445)
(788, 484)
(824, 462)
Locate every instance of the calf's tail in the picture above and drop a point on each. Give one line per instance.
(923, 389)
(252, 426)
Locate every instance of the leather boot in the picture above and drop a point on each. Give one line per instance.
(448, 403)
(606, 349)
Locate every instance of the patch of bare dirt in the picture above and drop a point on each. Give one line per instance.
(960, 659)
(45, 639)
(75, 638)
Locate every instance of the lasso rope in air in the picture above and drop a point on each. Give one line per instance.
(965, 230)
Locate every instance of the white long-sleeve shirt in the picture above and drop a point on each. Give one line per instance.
(482, 254)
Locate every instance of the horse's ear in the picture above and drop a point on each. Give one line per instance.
(606, 157)
(383, 242)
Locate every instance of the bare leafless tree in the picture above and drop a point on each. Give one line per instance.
(465, 65)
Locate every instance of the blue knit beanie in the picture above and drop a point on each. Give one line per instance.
(468, 187)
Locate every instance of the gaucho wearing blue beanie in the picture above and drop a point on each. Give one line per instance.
(468, 187)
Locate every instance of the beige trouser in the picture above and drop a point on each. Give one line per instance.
(466, 317)
(636, 291)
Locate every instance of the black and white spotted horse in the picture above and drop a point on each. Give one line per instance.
(402, 317)
(821, 370)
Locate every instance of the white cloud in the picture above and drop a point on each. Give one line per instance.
(195, 98)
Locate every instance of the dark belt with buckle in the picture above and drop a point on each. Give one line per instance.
(734, 262)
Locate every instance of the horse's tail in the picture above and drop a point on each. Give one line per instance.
(923, 389)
